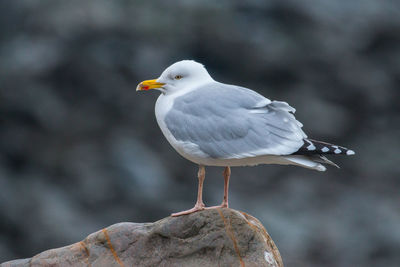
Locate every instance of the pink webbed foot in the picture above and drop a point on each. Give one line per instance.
(192, 210)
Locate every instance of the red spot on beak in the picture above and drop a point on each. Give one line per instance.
(145, 87)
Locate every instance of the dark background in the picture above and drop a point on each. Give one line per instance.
(80, 149)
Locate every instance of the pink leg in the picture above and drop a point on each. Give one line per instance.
(199, 204)
(227, 175)
(225, 201)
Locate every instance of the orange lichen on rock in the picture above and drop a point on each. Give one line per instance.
(214, 237)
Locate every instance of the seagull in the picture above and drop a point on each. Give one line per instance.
(216, 124)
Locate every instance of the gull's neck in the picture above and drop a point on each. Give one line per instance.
(188, 88)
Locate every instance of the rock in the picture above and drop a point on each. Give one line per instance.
(216, 237)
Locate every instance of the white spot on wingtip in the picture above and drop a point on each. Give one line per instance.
(350, 152)
(311, 146)
(325, 149)
(337, 151)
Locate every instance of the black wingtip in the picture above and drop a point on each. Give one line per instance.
(312, 147)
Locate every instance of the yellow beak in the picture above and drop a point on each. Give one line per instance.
(149, 84)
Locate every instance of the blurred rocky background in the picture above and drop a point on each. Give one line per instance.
(81, 150)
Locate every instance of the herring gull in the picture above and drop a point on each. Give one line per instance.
(216, 124)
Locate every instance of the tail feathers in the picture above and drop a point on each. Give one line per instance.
(323, 159)
(312, 147)
(310, 161)
(305, 161)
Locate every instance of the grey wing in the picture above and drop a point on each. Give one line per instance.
(226, 121)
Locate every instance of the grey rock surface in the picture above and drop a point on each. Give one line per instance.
(215, 237)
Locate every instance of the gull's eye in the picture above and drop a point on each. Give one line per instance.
(178, 77)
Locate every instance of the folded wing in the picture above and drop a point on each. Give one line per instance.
(226, 121)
